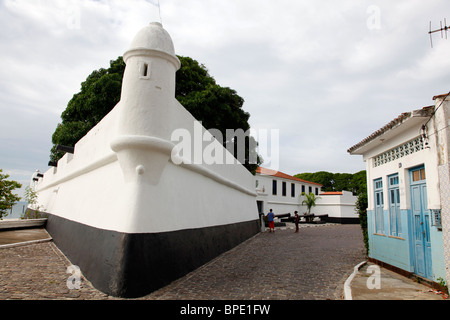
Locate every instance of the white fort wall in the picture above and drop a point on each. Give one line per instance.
(124, 207)
(89, 187)
(339, 208)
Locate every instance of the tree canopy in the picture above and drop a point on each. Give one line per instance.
(7, 198)
(355, 183)
(215, 106)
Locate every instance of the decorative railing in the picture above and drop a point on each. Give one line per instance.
(401, 151)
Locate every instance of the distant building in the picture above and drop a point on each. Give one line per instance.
(283, 193)
(340, 206)
(407, 163)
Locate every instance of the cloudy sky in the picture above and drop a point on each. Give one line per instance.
(325, 73)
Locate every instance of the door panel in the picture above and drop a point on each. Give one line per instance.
(426, 225)
(379, 215)
(421, 224)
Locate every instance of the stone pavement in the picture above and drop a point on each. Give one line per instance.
(391, 286)
(11, 237)
(311, 264)
(38, 272)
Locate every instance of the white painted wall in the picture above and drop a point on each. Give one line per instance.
(402, 167)
(121, 176)
(279, 203)
(336, 206)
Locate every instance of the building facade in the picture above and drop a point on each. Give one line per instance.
(283, 193)
(407, 184)
(340, 206)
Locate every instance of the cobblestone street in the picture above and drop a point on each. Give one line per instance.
(311, 264)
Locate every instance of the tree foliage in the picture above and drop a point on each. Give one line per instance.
(7, 198)
(310, 200)
(361, 209)
(215, 106)
(355, 183)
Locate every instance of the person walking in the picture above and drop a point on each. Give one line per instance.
(270, 217)
(296, 220)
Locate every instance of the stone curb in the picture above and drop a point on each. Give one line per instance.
(347, 287)
(25, 243)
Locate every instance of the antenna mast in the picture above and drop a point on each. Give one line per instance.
(160, 19)
(442, 29)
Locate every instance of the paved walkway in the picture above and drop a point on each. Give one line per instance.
(311, 264)
(389, 286)
(23, 236)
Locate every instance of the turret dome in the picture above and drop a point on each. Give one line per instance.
(155, 38)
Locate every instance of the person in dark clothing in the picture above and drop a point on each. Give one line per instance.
(296, 220)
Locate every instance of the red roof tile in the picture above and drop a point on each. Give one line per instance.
(331, 193)
(279, 174)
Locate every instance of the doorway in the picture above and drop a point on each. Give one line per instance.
(420, 223)
(260, 205)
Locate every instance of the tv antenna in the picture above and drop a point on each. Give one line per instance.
(442, 29)
(156, 10)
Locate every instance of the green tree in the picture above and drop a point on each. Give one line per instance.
(7, 198)
(215, 106)
(361, 209)
(342, 181)
(359, 182)
(33, 211)
(337, 181)
(99, 93)
(308, 176)
(310, 200)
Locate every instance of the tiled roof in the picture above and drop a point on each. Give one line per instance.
(445, 95)
(279, 174)
(424, 112)
(331, 193)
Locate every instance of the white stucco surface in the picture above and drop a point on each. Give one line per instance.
(335, 206)
(122, 177)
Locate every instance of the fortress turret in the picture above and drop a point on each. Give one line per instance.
(143, 143)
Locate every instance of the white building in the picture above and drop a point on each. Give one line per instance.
(124, 206)
(340, 206)
(283, 193)
(408, 213)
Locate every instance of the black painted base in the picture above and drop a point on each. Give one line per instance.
(133, 265)
(343, 220)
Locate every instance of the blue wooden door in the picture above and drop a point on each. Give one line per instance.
(379, 206)
(394, 206)
(421, 224)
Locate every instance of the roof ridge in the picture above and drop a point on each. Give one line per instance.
(424, 112)
(279, 174)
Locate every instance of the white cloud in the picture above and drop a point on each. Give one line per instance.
(434, 65)
(312, 69)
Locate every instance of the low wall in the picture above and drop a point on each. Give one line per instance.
(22, 223)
